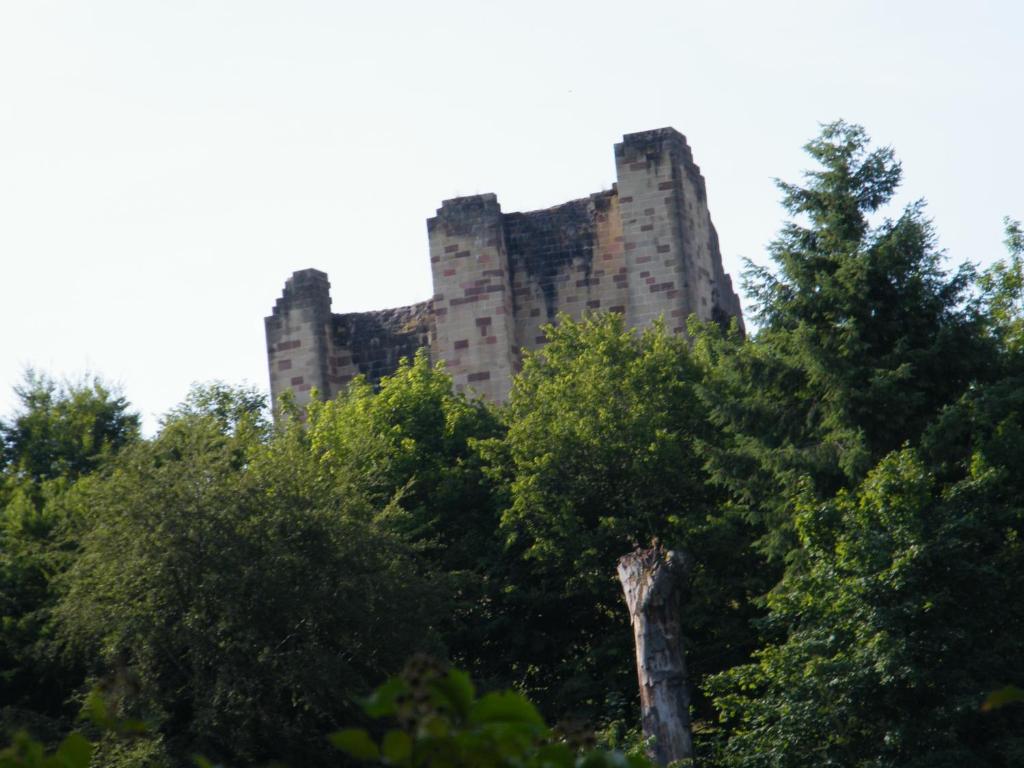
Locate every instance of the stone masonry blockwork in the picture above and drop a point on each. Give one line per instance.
(645, 249)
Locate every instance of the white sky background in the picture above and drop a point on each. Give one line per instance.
(165, 166)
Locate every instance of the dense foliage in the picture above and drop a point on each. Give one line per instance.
(863, 339)
(436, 721)
(601, 456)
(61, 432)
(846, 482)
(905, 613)
(219, 587)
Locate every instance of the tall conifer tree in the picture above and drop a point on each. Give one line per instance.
(862, 336)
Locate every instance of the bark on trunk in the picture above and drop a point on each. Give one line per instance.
(651, 580)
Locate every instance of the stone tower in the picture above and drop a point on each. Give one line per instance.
(646, 249)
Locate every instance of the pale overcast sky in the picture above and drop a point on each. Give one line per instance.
(164, 166)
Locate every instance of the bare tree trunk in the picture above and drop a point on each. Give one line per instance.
(651, 579)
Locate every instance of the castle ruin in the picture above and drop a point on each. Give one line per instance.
(646, 249)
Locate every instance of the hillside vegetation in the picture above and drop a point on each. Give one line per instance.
(847, 481)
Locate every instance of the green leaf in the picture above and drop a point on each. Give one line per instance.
(356, 743)
(436, 727)
(457, 689)
(600, 759)
(1011, 694)
(396, 748)
(556, 755)
(94, 710)
(75, 751)
(381, 703)
(505, 707)
(131, 727)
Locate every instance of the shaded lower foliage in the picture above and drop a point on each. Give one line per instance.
(901, 613)
(220, 595)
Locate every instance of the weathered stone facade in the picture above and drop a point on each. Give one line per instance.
(646, 248)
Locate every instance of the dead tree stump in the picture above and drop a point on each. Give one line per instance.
(651, 580)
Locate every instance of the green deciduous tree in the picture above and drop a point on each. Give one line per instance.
(225, 596)
(412, 441)
(411, 447)
(59, 433)
(600, 458)
(1003, 284)
(63, 430)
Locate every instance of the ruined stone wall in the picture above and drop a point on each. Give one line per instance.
(565, 259)
(372, 343)
(646, 249)
(297, 336)
(308, 347)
